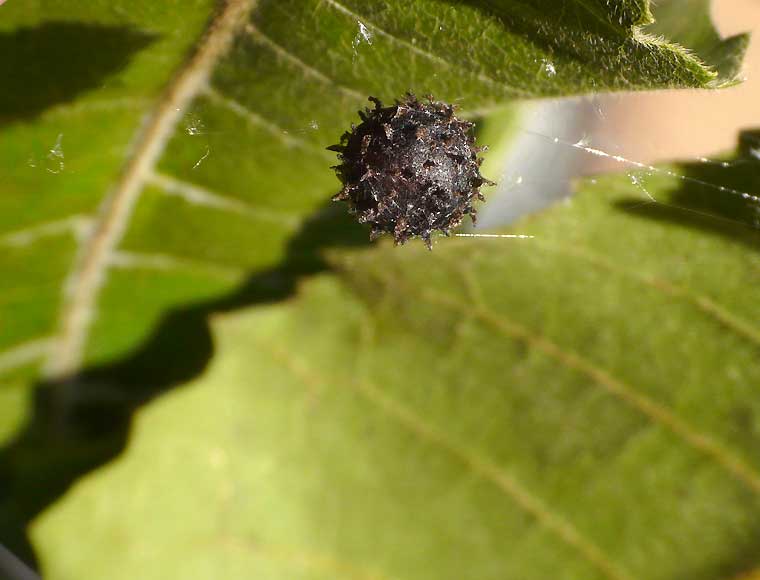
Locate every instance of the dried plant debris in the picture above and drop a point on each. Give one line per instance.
(410, 169)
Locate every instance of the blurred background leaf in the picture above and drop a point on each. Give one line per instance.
(579, 405)
(150, 189)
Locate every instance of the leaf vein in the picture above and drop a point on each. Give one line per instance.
(169, 262)
(89, 273)
(197, 195)
(424, 53)
(481, 466)
(78, 225)
(24, 353)
(704, 304)
(307, 69)
(255, 119)
(659, 414)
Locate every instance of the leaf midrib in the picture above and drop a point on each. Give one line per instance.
(88, 276)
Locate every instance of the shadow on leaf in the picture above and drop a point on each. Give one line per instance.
(78, 426)
(717, 198)
(57, 61)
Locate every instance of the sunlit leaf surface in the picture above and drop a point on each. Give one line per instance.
(231, 160)
(153, 173)
(579, 405)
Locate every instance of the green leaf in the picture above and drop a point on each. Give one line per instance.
(698, 33)
(579, 405)
(153, 172)
(231, 159)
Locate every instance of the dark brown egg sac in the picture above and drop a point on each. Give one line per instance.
(410, 169)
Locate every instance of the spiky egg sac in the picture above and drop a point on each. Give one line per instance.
(410, 169)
